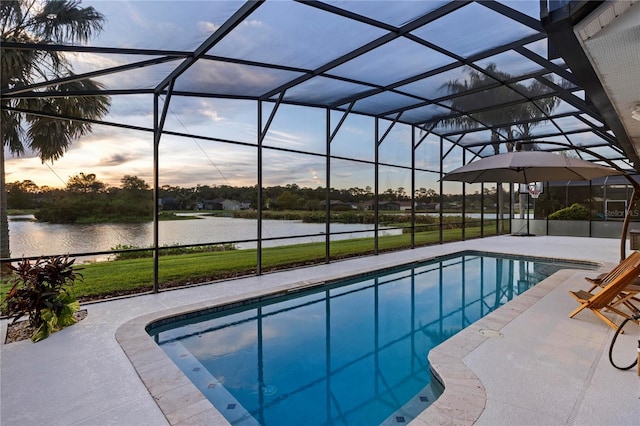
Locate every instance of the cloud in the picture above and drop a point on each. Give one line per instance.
(283, 168)
(212, 114)
(204, 110)
(283, 138)
(343, 175)
(114, 160)
(112, 152)
(229, 339)
(19, 169)
(86, 62)
(188, 162)
(145, 77)
(187, 113)
(207, 27)
(210, 76)
(256, 23)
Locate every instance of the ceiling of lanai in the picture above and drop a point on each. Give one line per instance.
(460, 70)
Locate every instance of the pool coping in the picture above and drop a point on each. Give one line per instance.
(461, 403)
(464, 397)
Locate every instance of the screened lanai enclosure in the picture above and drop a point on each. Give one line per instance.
(243, 137)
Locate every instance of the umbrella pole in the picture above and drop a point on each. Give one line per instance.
(527, 213)
(627, 218)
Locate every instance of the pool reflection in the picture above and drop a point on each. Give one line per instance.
(351, 353)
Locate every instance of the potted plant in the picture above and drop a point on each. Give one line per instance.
(40, 289)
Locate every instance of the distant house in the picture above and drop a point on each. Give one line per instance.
(168, 203)
(221, 204)
(433, 206)
(383, 205)
(405, 205)
(246, 205)
(231, 205)
(421, 206)
(389, 205)
(212, 204)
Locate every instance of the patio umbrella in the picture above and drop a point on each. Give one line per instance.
(529, 166)
(539, 166)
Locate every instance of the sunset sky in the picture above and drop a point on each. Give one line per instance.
(111, 152)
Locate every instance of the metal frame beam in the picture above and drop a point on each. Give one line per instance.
(236, 19)
(405, 29)
(92, 74)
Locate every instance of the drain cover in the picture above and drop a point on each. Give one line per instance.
(490, 333)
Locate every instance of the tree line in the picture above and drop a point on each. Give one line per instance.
(84, 199)
(87, 199)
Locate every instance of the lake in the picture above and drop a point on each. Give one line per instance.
(30, 238)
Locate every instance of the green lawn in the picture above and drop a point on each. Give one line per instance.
(117, 277)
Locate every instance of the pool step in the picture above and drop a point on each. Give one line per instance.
(414, 406)
(210, 387)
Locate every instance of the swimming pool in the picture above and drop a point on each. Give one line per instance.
(349, 352)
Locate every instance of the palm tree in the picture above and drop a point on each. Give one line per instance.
(527, 111)
(48, 22)
(538, 111)
(483, 93)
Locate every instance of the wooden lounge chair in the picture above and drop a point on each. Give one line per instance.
(611, 297)
(603, 279)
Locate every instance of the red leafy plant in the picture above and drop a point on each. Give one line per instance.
(40, 289)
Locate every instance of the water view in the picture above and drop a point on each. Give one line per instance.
(30, 238)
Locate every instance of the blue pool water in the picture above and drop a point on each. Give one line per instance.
(350, 353)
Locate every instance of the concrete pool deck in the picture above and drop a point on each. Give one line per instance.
(542, 368)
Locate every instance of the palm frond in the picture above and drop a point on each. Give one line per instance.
(473, 111)
(17, 65)
(50, 21)
(63, 21)
(10, 13)
(12, 132)
(49, 137)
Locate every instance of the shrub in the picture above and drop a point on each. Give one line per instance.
(40, 290)
(57, 214)
(134, 252)
(574, 212)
